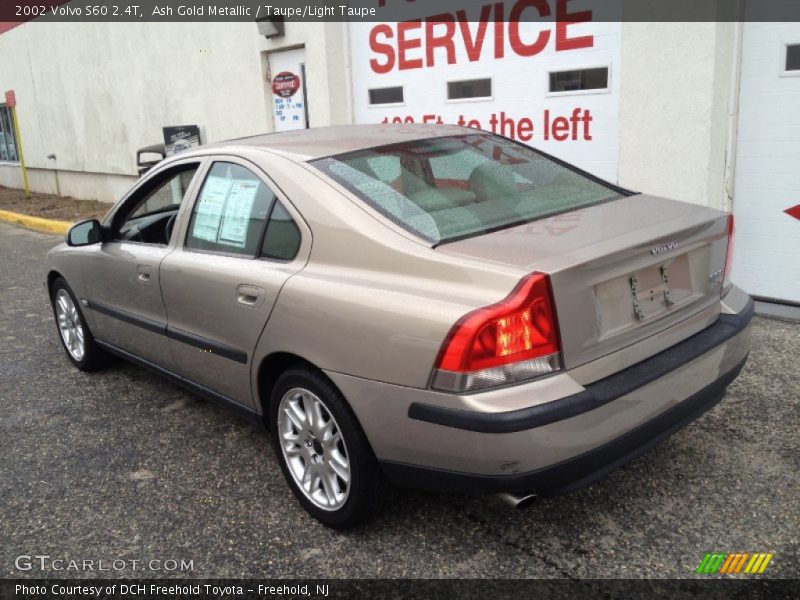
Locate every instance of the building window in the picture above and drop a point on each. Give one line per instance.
(793, 57)
(8, 141)
(579, 80)
(388, 95)
(470, 88)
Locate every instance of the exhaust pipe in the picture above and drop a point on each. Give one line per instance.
(518, 501)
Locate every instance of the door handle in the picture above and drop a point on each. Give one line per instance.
(144, 273)
(249, 295)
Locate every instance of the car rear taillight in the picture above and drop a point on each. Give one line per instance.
(726, 277)
(511, 341)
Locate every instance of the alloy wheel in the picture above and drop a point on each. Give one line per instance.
(69, 325)
(314, 449)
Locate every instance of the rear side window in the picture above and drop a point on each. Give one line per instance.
(282, 240)
(230, 211)
(449, 188)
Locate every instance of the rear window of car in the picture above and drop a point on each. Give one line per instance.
(454, 187)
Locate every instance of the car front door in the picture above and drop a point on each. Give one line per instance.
(239, 244)
(122, 273)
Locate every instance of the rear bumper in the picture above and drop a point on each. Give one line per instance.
(596, 394)
(577, 472)
(556, 434)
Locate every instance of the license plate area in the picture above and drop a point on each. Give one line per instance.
(648, 294)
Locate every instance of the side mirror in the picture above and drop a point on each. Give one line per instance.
(85, 233)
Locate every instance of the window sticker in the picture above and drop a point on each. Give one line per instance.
(236, 216)
(210, 207)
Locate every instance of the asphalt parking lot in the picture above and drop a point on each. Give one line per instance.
(122, 464)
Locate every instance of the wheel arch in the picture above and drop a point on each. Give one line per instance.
(269, 369)
(52, 275)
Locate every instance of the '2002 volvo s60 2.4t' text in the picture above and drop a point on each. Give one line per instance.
(431, 306)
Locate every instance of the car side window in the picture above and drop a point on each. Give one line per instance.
(282, 240)
(230, 211)
(153, 210)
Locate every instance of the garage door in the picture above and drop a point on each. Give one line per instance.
(766, 199)
(554, 86)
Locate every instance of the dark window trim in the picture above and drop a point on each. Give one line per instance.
(264, 235)
(267, 219)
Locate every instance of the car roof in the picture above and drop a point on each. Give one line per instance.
(319, 142)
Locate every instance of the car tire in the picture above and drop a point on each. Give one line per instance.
(73, 331)
(310, 445)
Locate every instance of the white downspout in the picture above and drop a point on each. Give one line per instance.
(348, 73)
(733, 116)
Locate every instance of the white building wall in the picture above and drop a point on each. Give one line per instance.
(91, 94)
(520, 86)
(675, 103)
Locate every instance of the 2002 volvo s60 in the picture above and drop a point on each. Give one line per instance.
(430, 306)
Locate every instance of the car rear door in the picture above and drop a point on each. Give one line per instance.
(239, 243)
(122, 273)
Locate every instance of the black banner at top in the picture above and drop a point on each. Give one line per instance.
(16, 11)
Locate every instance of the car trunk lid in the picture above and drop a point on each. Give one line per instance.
(621, 271)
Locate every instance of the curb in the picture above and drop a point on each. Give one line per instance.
(36, 223)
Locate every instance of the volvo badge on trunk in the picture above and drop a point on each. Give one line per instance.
(668, 247)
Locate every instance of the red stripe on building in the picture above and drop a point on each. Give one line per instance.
(6, 25)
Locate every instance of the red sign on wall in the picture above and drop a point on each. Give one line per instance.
(11, 99)
(421, 43)
(285, 84)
